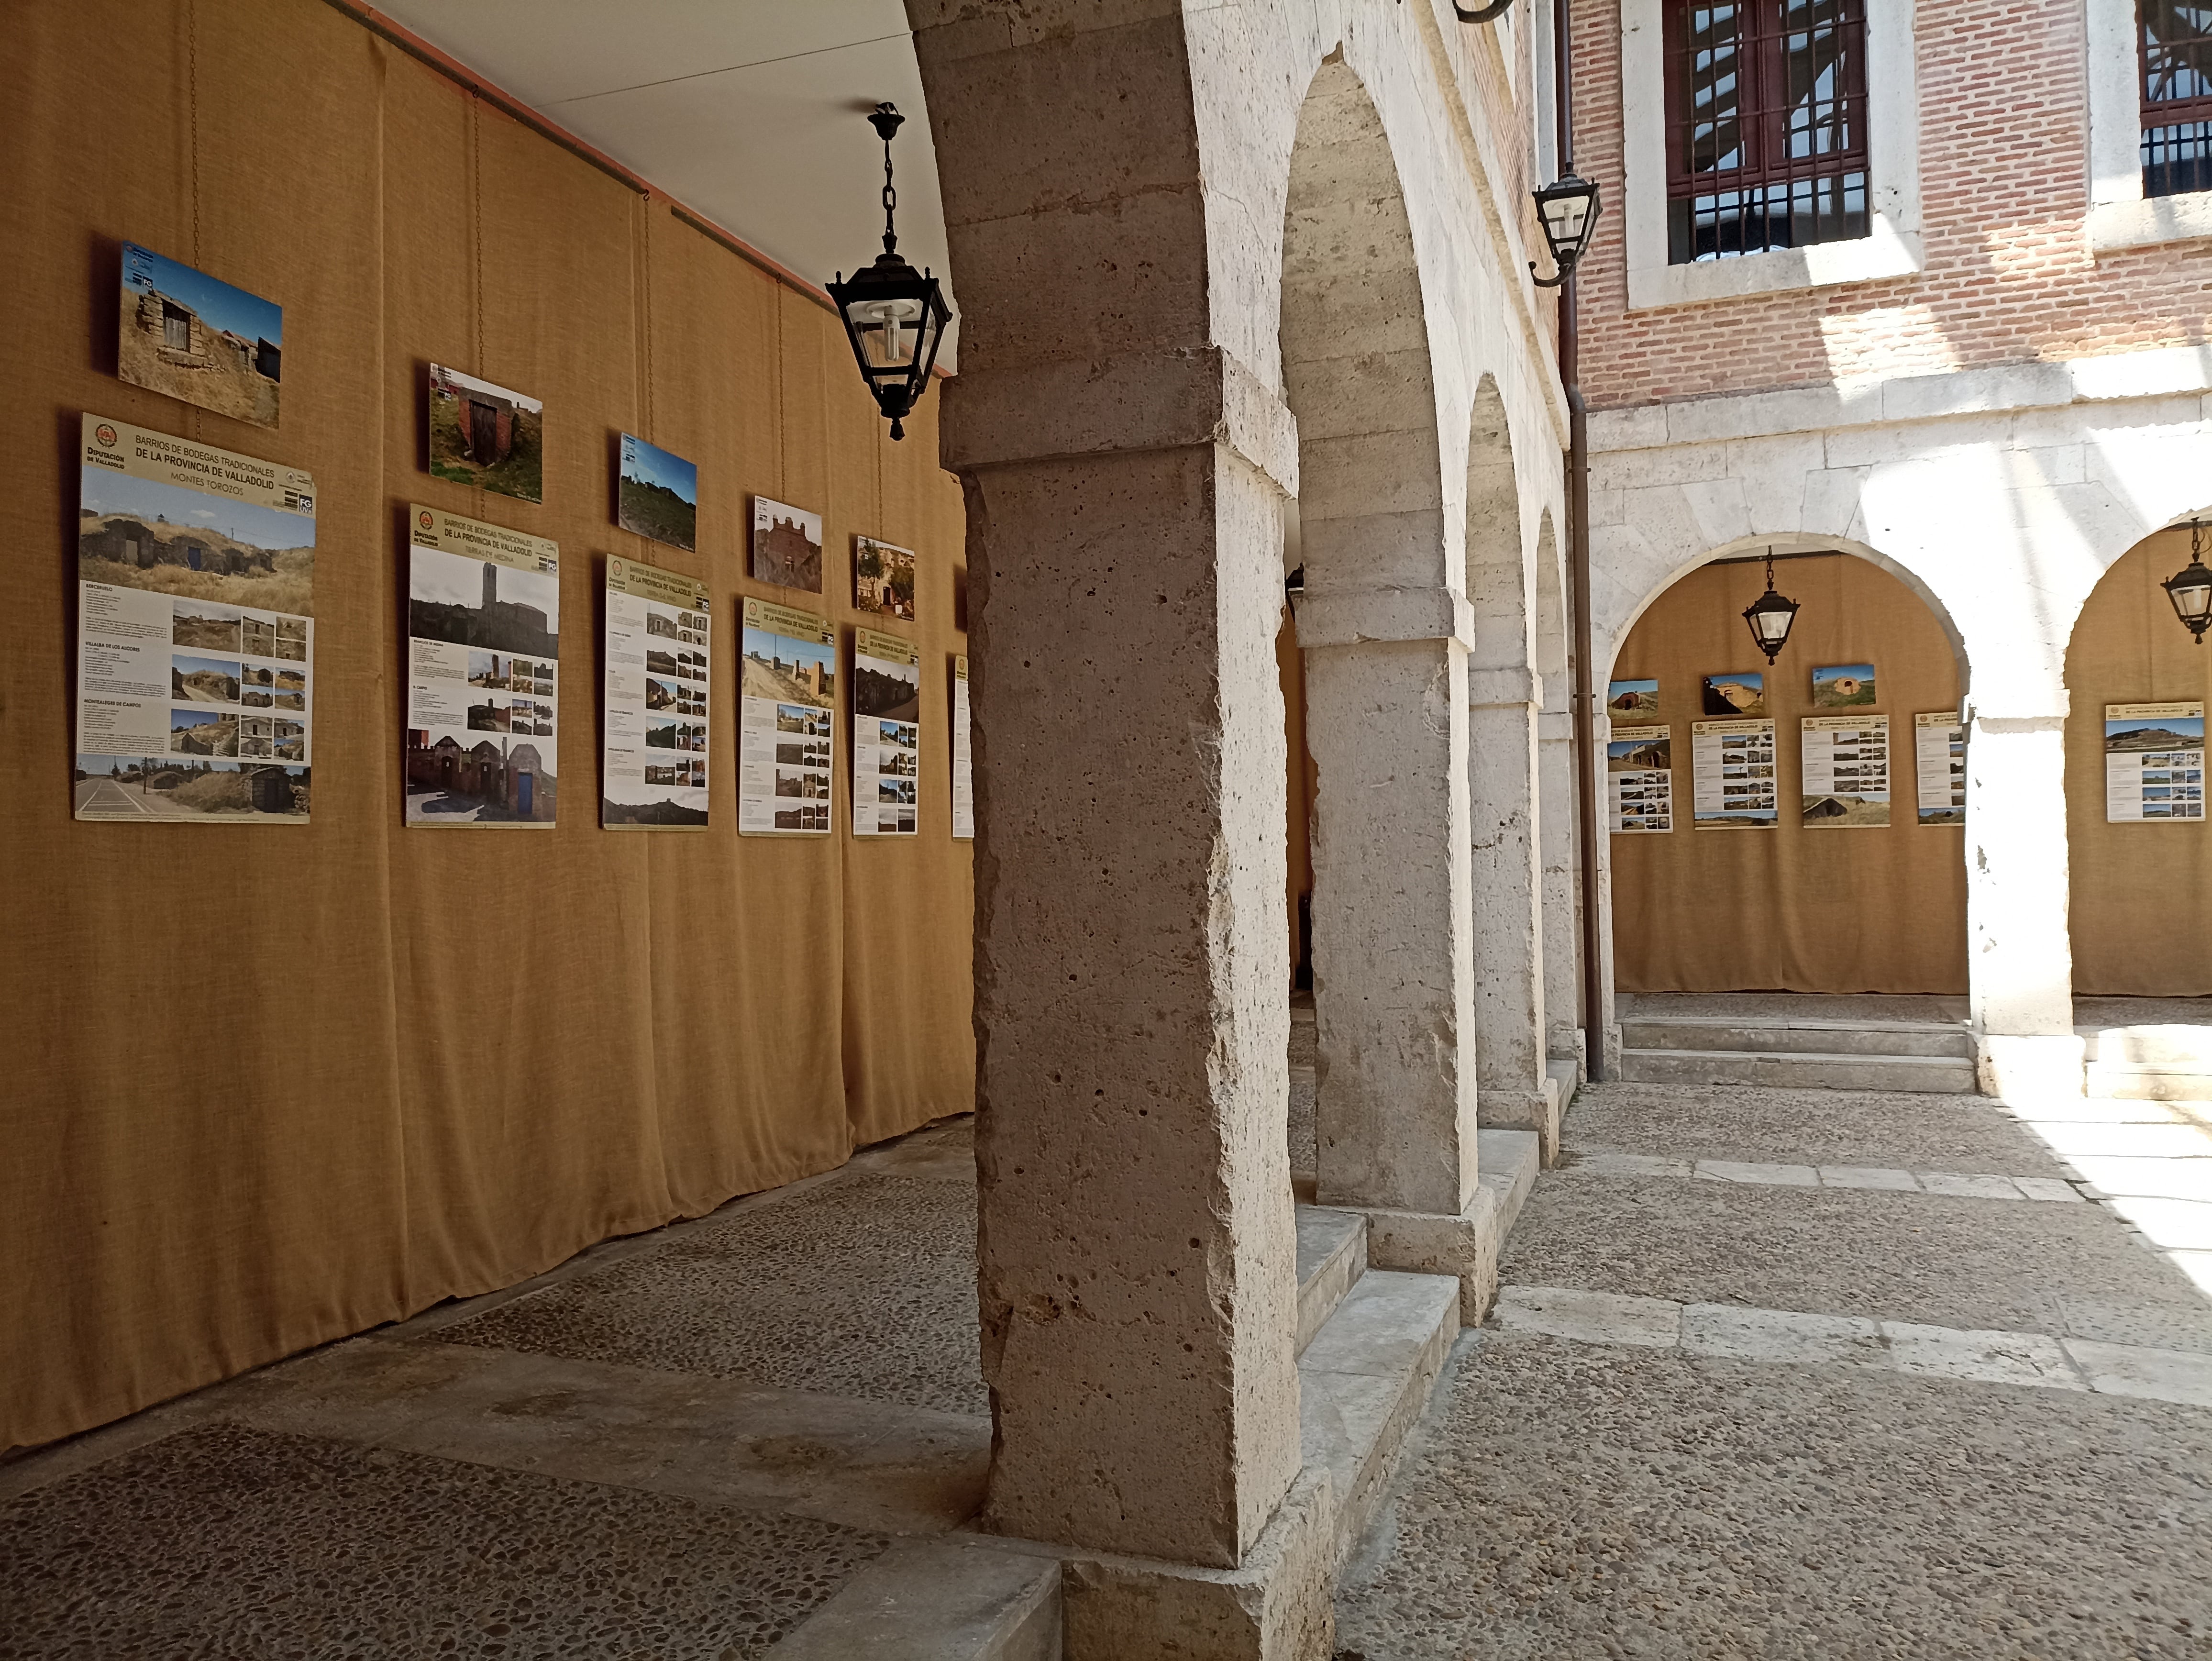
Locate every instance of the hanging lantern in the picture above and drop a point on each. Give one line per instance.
(2191, 588)
(1568, 210)
(1770, 616)
(894, 315)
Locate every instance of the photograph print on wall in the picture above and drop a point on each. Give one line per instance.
(658, 494)
(787, 545)
(481, 433)
(197, 339)
(1728, 696)
(883, 578)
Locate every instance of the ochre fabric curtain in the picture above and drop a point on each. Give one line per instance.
(1869, 910)
(273, 1084)
(2140, 893)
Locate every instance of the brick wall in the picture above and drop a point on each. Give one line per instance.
(2005, 138)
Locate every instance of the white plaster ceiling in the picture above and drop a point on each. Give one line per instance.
(748, 111)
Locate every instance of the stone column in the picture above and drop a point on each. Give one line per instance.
(1509, 925)
(1387, 727)
(2019, 955)
(1555, 819)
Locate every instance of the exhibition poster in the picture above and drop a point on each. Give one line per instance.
(2153, 762)
(1632, 700)
(657, 495)
(654, 764)
(1845, 781)
(886, 735)
(199, 340)
(1732, 781)
(483, 649)
(883, 578)
(787, 545)
(1639, 769)
(964, 764)
(196, 633)
(1939, 757)
(486, 436)
(787, 721)
(1730, 696)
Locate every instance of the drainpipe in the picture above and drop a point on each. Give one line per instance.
(1578, 578)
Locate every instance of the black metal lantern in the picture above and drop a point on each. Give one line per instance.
(894, 316)
(2191, 588)
(1770, 616)
(1491, 13)
(1569, 208)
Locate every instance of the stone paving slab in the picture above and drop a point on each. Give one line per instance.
(1889, 1130)
(1573, 1501)
(229, 1541)
(1967, 1263)
(864, 1288)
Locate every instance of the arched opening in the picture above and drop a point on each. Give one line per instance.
(2139, 846)
(1384, 676)
(1794, 827)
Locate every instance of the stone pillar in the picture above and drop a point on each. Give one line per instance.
(1509, 925)
(1555, 820)
(1138, 1285)
(1386, 724)
(1124, 476)
(2019, 955)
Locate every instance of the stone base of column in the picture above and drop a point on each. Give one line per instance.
(1524, 1109)
(2026, 1072)
(1277, 1605)
(1464, 1247)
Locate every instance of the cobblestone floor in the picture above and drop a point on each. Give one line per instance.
(1809, 1373)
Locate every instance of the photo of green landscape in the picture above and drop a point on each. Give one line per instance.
(657, 495)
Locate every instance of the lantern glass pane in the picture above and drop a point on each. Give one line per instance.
(886, 330)
(1771, 625)
(2194, 600)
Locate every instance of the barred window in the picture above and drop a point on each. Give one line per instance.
(1767, 140)
(2176, 96)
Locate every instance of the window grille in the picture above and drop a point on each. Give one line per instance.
(2176, 96)
(1766, 141)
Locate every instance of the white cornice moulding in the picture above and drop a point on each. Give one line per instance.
(2162, 372)
(1892, 248)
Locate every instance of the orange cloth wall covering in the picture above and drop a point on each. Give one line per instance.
(2140, 894)
(1873, 909)
(271, 1085)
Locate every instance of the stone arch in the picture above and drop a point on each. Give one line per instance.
(1505, 699)
(1382, 624)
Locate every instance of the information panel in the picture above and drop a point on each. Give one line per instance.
(654, 762)
(196, 631)
(2154, 761)
(886, 735)
(1639, 775)
(963, 763)
(1939, 763)
(483, 650)
(786, 722)
(1733, 776)
(1845, 771)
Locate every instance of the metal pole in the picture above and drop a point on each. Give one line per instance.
(1578, 569)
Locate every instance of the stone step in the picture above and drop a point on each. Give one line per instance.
(2167, 1048)
(1942, 1075)
(2140, 1082)
(1365, 1382)
(1332, 1257)
(1507, 1163)
(937, 1600)
(1797, 1035)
